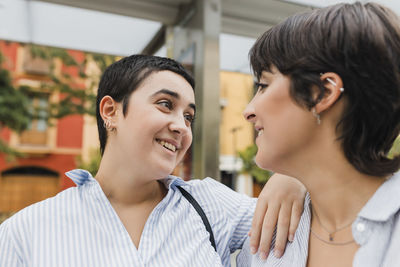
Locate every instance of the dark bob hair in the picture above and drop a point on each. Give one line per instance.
(359, 42)
(123, 77)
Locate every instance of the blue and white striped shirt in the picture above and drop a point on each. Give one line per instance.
(376, 230)
(79, 227)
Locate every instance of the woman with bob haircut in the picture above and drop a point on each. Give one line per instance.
(327, 111)
(133, 212)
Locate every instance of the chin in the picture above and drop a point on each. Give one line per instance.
(260, 161)
(163, 171)
(265, 162)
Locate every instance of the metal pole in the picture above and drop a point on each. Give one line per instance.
(196, 42)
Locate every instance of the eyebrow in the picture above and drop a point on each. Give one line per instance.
(167, 92)
(193, 106)
(174, 95)
(266, 74)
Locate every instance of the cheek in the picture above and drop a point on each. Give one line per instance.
(287, 128)
(279, 112)
(187, 141)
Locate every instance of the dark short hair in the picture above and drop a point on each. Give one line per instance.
(359, 42)
(123, 77)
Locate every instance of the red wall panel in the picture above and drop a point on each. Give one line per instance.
(55, 162)
(9, 50)
(70, 131)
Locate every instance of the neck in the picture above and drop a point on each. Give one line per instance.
(337, 190)
(337, 196)
(124, 186)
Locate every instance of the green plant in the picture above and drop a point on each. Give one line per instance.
(75, 100)
(16, 111)
(250, 167)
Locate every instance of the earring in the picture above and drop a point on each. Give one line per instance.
(108, 126)
(316, 115)
(333, 83)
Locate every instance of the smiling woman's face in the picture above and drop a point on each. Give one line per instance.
(157, 127)
(284, 127)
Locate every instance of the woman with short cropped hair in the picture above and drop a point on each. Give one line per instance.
(327, 112)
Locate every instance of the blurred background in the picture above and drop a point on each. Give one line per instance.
(53, 52)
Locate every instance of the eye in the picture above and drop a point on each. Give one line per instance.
(165, 103)
(189, 118)
(261, 86)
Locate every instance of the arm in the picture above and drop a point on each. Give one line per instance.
(279, 204)
(277, 200)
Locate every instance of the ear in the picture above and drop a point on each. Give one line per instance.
(108, 108)
(333, 89)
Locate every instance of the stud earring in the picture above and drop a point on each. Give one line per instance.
(316, 115)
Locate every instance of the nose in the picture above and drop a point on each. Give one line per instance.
(179, 126)
(249, 113)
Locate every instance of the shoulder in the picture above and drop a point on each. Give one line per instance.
(222, 204)
(392, 255)
(209, 185)
(37, 213)
(210, 190)
(377, 226)
(206, 182)
(31, 225)
(385, 203)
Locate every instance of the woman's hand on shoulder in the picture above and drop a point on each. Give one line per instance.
(280, 204)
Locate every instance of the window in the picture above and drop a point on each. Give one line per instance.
(35, 65)
(36, 133)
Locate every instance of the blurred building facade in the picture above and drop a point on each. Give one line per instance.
(236, 134)
(49, 150)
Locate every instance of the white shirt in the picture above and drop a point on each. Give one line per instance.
(79, 227)
(376, 230)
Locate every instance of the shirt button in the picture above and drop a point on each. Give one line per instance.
(360, 227)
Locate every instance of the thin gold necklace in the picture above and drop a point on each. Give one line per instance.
(331, 233)
(332, 242)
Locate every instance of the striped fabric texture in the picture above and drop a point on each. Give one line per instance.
(376, 230)
(295, 253)
(79, 227)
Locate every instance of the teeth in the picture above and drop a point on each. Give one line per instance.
(168, 145)
(260, 132)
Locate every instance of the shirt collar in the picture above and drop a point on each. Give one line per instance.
(385, 202)
(80, 177)
(173, 181)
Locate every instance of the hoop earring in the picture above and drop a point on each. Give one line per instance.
(108, 126)
(316, 115)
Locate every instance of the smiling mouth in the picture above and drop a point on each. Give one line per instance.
(260, 132)
(167, 145)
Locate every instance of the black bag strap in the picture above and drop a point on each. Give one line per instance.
(200, 211)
